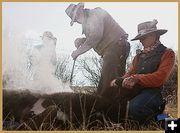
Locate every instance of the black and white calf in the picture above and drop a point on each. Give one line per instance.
(64, 110)
(60, 110)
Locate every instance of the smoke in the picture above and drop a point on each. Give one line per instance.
(29, 66)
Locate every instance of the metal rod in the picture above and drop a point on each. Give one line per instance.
(72, 72)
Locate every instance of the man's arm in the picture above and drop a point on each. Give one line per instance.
(79, 41)
(154, 79)
(94, 34)
(118, 81)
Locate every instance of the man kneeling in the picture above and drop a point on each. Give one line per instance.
(150, 69)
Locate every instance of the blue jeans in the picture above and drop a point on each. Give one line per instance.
(145, 105)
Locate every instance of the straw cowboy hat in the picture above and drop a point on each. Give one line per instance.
(71, 11)
(48, 34)
(147, 28)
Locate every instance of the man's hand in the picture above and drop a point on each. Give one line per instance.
(74, 54)
(129, 82)
(113, 84)
(79, 41)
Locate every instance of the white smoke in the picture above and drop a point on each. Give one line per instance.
(25, 66)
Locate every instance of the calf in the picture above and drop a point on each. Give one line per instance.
(65, 110)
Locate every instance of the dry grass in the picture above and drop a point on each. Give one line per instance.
(171, 106)
(107, 125)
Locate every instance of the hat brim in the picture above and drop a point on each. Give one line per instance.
(159, 32)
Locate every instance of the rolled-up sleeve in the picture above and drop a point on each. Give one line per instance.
(160, 76)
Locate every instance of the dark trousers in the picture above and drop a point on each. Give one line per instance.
(145, 105)
(114, 64)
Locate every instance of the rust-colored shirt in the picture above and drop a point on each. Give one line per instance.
(158, 77)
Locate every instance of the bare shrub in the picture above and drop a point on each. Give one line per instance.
(63, 71)
(91, 69)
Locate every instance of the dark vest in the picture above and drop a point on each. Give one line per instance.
(149, 63)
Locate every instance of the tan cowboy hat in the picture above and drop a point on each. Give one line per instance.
(147, 28)
(72, 10)
(48, 34)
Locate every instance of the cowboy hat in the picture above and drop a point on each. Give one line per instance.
(147, 28)
(48, 34)
(71, 11)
